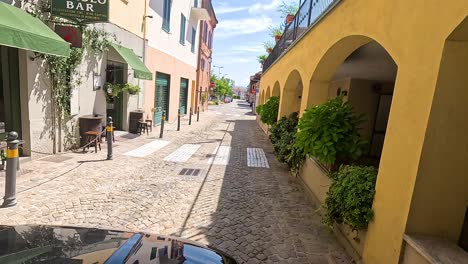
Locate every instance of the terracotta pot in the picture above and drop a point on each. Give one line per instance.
(289, 19)
(277, 38)
(269, 50)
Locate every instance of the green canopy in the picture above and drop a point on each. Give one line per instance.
(140, 69)
(19, 29)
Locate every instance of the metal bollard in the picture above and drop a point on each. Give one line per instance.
(109, 137)
(198, 114)
(178, 121)
(12, 156)
(190, 117)
(162, 124)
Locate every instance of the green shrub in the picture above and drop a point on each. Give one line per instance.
(330, 132)
(282, 136)
(350, 197)
(269, 111)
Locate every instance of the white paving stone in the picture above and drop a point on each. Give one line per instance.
(220, 156)
(183, 153)
(148, 149)
(256, 158)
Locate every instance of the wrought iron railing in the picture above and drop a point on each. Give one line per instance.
(310, 12)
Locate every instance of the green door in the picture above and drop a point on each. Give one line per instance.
(10, 106)
(183, 96)
(161, 101)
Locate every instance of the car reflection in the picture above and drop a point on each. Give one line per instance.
(43, 244)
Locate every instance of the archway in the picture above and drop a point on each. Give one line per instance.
(292, 94)
(276, 89)
(261, 99)
(364, 73)
(440, 192)
(268, 94)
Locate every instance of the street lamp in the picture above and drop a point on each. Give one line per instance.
(219, 68)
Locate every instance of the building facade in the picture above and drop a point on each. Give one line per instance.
(401, 64)
(205, 54)
(88, 97)
(172, 56)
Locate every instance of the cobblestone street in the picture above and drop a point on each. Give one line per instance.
(216, 182)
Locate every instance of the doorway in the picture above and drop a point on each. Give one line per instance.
(183, 96)
(115, 75)
(10, 104)
(161, 103)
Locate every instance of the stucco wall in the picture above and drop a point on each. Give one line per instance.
(159, 61)
(168, 42)
(128, 14)
(414, 35)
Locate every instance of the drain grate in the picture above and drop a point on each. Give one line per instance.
(190, 172)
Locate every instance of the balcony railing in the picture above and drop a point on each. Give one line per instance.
(310, 12)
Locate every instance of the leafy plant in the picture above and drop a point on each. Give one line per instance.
(269, 111)
(203, 98)
(259, 110)
(330, 132)
(262, 58)
(131, 89)
(277, 31)
(350, 197)
(282, 136)
(287, 9)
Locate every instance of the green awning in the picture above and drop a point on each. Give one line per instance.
(19, 29)
(140, 69)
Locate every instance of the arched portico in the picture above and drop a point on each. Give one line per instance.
(291, 97)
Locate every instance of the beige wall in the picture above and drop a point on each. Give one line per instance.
(158, 61)
(128, 14)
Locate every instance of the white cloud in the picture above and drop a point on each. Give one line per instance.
(236, 27)
(258, 7)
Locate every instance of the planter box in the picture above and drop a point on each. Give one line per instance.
(316, 182)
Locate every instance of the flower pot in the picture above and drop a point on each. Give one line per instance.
(269, 50)
(289, 18)
(277, 38)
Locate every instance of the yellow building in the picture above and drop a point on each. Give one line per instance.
(403, 63)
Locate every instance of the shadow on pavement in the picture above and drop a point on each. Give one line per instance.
(262, 215)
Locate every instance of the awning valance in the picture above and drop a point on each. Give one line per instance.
(140, 69)
(19, 29)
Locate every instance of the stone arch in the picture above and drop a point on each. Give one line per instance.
(276, 89)
(261, 99)
(292, 94)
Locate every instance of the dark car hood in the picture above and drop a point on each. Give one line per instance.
(50, 244)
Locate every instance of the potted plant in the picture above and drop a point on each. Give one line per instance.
(131, 89)
(277, 33)
(288, 11)
(262, 58)
(269, 46)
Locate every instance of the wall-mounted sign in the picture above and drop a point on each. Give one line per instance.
(97, 82)
(82, 11)
(71, 35)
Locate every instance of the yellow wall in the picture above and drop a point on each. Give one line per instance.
(128, 15)
(413, 33)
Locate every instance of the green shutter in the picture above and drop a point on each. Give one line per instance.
(167, 16)
(183, 98)
(183, 22)
(161, 97)
(194, 33)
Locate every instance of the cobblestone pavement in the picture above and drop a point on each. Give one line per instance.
(256, 214)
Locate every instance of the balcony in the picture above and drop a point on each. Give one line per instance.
(309, 14)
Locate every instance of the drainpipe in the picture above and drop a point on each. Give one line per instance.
(145, 16)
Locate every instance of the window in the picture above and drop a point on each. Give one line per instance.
(183, 22)
(167, 15)
(194, 33)
(154, 252)
(203, 64)
(195, 4)
(205, 33)
(210, 40)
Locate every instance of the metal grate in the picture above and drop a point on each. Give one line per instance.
(190, 172)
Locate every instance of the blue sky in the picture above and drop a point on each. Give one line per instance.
(238, 39)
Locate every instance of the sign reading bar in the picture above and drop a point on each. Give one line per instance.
(83, 11)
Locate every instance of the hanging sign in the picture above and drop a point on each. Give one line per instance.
(82, 11)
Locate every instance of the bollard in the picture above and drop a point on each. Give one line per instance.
(198, 114)
(178, 121)
(109, 137)
(190, 117)
(162, 124)
(12, 156)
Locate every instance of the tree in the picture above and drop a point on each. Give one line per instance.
(223, 86)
